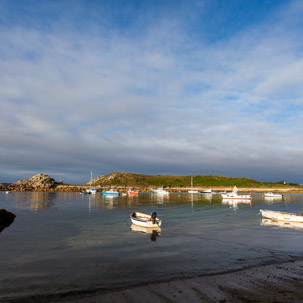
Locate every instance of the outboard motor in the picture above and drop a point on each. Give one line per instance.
(154, 217)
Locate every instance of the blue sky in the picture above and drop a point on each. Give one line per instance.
(155, 87)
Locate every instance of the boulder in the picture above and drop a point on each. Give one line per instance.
(6, 218)
(37, 182)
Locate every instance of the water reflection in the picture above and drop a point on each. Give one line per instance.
(234, 203)
(272, 199)
(152, 232)
(207, 196)
(281, 224)
(160, 199)
(35, 200)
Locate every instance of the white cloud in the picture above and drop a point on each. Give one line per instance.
(164, 103)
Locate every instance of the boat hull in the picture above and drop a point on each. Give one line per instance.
(111, 194)
(133, 193)
(271, 195)
(160, 192)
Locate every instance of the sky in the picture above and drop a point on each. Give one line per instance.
(206, 87)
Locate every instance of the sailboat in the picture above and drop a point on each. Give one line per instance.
(91, 190)
(191, 185)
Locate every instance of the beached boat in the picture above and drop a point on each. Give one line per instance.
(159, 191)
(110, 192)
(191, 191)
(145, 220)
(273, 195)
(281, 216)
(234, 195)
(206, 191)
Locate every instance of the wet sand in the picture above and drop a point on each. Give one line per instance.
(270, 283)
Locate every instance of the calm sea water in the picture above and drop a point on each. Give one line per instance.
(62, 242)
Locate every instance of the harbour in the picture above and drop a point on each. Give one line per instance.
(65, 242)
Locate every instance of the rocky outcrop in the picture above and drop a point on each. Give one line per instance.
(6, 218)
(37, 182)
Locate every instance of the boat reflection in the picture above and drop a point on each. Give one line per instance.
(272, 199)
(281, 224)
(234, 203)
(207, 196)
(152, 232)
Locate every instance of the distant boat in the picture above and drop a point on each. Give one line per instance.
(206, 191)
(145, 220)
(133, 192)
(191, 185)
(159, 191)
(281, 216)
(234, 195)
(273, 195)
(91, 190)
(110, 192)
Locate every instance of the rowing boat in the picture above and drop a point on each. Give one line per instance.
(145, 220)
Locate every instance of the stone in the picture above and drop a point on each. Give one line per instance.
(6, 218)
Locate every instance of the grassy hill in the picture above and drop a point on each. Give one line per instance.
(129, 179)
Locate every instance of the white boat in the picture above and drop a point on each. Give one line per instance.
(191, 191)
(91, 190)
(234, 195)
(273, 195)
(110, 192)
(281, 216)
(206, 191)
(159, 191)
(145, 220)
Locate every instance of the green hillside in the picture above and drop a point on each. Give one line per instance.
(129, 179)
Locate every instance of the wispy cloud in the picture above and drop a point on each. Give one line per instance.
(157, 100)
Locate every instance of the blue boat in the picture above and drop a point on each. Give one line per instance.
(110, 193)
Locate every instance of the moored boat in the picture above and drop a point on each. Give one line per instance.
(192, 191)
(234, 195)
(159, 191)
(206, 191)
(273, 195)
(110, 192)
(91, 190)
(281, 216)
(133, 192)
(145, 220)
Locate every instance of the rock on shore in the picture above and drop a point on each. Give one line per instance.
(37, 182)
(6, 218)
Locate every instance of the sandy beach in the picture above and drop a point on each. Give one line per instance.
(270, 283)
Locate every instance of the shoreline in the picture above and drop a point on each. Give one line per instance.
(278, 282)
(145, 189)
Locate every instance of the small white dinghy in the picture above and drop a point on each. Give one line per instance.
(145, 220)
(281, 216)
(272, 195)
